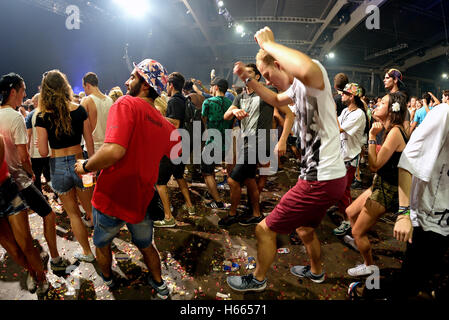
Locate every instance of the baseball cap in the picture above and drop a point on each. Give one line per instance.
(153, 73)
(395, 73)
(353, 88)
(221, 83)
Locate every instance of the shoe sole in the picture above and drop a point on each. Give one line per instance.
(246, 290)
(360, 275)
(301, 276)
(248, 224)
(166, 226)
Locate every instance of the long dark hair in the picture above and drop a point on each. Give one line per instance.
(7, 83)
(396, 118)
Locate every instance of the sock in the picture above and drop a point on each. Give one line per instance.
(56, 260)
(257, 281)
(158, 283)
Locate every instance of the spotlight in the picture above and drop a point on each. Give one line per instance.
(220, 4)
(331, 55)
(135, 8)
(444, 76)
(239, 28)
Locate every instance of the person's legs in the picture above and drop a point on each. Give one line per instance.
(85, 197)
(163, 193)
(357, 205)
(8, 242)
(70, 204)
(153, 262)
(185, 191)
(37, 166)
(21, 229)
(50, 234)
(367, 218)
(346, 200)
(236, 193)
(266, 250)
(309, 238)
(105, 229)
(212, 187)
(46, 169)
(253, 195)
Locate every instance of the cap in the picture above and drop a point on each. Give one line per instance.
(353, 88)
(395, 73)
(221, 83)
(154, 74)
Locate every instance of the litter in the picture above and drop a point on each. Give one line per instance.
(224, 296)
(230, 266)
(251, 263)
(283, 250)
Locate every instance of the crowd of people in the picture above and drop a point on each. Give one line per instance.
(131, 145)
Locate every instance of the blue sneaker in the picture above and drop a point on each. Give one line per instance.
(304, 272)
(246, 283)
(162, 290)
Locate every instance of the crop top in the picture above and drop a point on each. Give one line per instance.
(78, 116)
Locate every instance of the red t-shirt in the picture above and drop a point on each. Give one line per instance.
(125, 189)
(4, 173)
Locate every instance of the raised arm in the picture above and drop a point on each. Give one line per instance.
(293, 61)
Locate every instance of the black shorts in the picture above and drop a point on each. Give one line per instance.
(36, 201)
(209, 169)
(168, 169)
(243, 170)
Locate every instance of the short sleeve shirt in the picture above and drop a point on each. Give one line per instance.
(352, 139)
(426, 157)
(214, 109)
(420, 114)
(13, 129)
(176, 108)
(318, 134)
(125, 189)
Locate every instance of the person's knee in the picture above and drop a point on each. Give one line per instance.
(263, 232)
(233, 184)
(307, 235)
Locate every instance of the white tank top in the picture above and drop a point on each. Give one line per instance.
(103, 106)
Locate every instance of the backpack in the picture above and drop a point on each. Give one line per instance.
(192, 113)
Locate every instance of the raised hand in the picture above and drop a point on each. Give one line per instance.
(264, 36)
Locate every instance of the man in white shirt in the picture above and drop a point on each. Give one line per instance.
(322, 180)
(423, 218)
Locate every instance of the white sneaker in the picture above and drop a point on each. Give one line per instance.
(350, 241)
(31, 284)
(361, 270)
(86, 258)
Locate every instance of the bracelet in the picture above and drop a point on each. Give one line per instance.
(403, 211)
(84, 166)
(372, 142)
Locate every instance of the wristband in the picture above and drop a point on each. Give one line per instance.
(403, 211)
(84, 166)
(372, 142)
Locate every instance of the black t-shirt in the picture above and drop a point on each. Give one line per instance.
(176, 108)
(46, 121)
(339, 103)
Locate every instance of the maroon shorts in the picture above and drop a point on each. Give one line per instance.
(305, 205)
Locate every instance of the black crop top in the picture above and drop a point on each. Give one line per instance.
(389, 171)
(78, 116)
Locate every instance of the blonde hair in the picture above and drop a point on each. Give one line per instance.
(55, 98)
(161, 104)
(265, 57)
(115, 93)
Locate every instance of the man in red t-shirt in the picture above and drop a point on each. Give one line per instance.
(137, 137)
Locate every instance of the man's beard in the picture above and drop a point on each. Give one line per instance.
(134, 91)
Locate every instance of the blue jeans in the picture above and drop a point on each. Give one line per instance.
(107, 227)
(63, 176)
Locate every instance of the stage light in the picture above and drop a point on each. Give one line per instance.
(239, 28)
(220, 4)
(134, 8)
(331, 55)
(444, 76)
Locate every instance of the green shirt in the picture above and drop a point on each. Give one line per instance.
(214, 109)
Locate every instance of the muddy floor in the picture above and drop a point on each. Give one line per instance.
(194, 252)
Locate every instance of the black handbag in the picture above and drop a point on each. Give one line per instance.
(8, 192)
(155, 208)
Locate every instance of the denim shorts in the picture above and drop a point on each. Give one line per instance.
(107, 227)
(13, 206)
(63, 176)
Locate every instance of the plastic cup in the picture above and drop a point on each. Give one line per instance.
(88, 179)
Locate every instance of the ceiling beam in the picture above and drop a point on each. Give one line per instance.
(335, 9)
(357, 17)
(280, 19)
(430, 54)
(202, 28)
